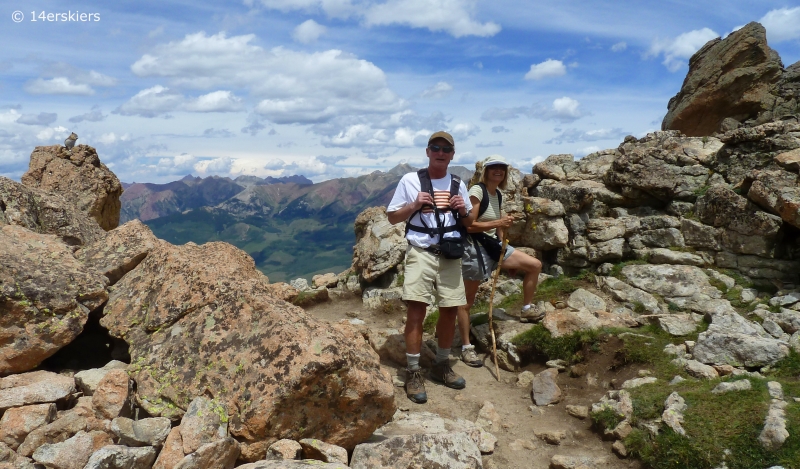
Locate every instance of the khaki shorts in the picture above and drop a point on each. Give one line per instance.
(428, 276)
(471, 267)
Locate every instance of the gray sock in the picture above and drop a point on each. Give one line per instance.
(413, 361)
(442, 354)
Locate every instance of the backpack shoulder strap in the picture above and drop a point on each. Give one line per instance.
(455, 185)
(425, 181)
(484, 201)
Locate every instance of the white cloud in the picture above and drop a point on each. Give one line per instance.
(464, 131)
(495, 143)
(293, 87)
(308, 31)
(452, 16)
(107, 139)
(677, 51)
(95, 115)
(575, 135)
(499, 128)
(619, 47)
(439, 90)
(782, 24)
(58, 85)
(151, 102)
(456, 17)
(96, 79)
(159, 100)
(214, 166)
(586, 150)
(548, 69)
(217, 101)
(43, 118)
(563, 109)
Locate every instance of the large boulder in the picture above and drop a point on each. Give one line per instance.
(201, 319)
(80, 177)
(380, 246)
(45, 213)
(745, 228)
(728, 78)
(46, 296)
(120, 251)
(779, 192)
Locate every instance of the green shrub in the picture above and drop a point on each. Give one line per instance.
(568, 347)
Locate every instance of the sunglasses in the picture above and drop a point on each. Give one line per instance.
(437, 148)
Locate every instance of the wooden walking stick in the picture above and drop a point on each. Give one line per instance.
(491, 305)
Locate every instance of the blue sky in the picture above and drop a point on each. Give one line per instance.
(332, 88)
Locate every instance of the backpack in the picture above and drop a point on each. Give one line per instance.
(450, 247)
(485, 200)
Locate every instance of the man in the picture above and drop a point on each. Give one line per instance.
(428, 272)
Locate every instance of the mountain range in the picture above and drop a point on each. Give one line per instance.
(291, 226)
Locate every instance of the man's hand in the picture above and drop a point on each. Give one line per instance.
(457, 205)
(423, 199)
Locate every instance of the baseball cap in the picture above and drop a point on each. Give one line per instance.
(492, 160)
(444, 135)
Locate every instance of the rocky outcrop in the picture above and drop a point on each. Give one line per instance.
(80, 177)
(46, 296)
(728, 78)
(45, 213)
(122, 249)
(200, 319)
(380, 246)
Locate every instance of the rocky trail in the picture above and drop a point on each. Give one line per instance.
(528, 436)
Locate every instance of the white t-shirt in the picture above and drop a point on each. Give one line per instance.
(406, 193)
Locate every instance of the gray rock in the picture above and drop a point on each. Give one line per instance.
(774, 433)
(221, 454)
(285, 450)
(667, 256)
(560, 461)
(578, 411)
(544, 389)
(421, 439)
(287, 464)
(300, 284)
(18, 422)
(35, 387)
(728, 386)
(678, 324)
(144, 432)
(122, 457)
(581, 298)
(670, 280)
(674, 407)
(699, 370)
(621, 291)
(636, 382)
(205, 421)
(87, 380)
(321, 451)
(73, 453)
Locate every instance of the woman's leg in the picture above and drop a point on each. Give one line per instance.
(471, 289)
(531, 266)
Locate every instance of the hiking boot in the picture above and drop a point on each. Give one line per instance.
(469, 357)
(415, 386)
(443, 373)
(534, 314)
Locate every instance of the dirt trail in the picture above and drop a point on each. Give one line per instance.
(518, 446)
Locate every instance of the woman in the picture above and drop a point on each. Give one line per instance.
(477, 264)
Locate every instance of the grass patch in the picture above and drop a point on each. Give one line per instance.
(738, 278)
(607, 418)
(715, 425)
(616, 271)
(429, 324)
(555, 288)
(538, 341)
(788, 367)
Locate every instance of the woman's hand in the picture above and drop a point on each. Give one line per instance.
(505, 222)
